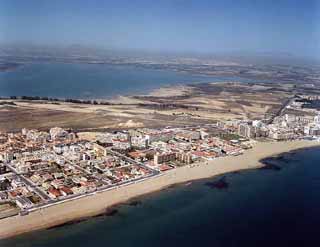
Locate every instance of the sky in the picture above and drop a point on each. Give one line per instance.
(205, 26)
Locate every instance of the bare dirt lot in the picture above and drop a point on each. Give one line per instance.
(174, 106)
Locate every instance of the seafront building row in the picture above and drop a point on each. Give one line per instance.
(39, 169)
(301, 120)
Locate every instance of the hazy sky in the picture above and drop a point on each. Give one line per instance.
(177, 25)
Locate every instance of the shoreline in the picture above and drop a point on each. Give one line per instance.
(98, 204)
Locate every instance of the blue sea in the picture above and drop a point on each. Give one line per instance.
(87, 81)
(264, 207)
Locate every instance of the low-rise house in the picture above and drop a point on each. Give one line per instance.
(54, 193)
(23, 202)
(65, 191)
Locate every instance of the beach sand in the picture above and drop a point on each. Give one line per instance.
(96, 204)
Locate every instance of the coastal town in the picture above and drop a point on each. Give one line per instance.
(159, 123)
(39, 169)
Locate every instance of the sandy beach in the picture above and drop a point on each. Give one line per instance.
(96, 204)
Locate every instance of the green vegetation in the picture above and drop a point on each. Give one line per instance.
(229, 136)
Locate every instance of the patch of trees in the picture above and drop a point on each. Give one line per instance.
(7, 103)
(68, 100)
(168, 106)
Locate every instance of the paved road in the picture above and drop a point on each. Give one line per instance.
(155, 172)
(43, 195)
(280, 111)
(84, 170)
